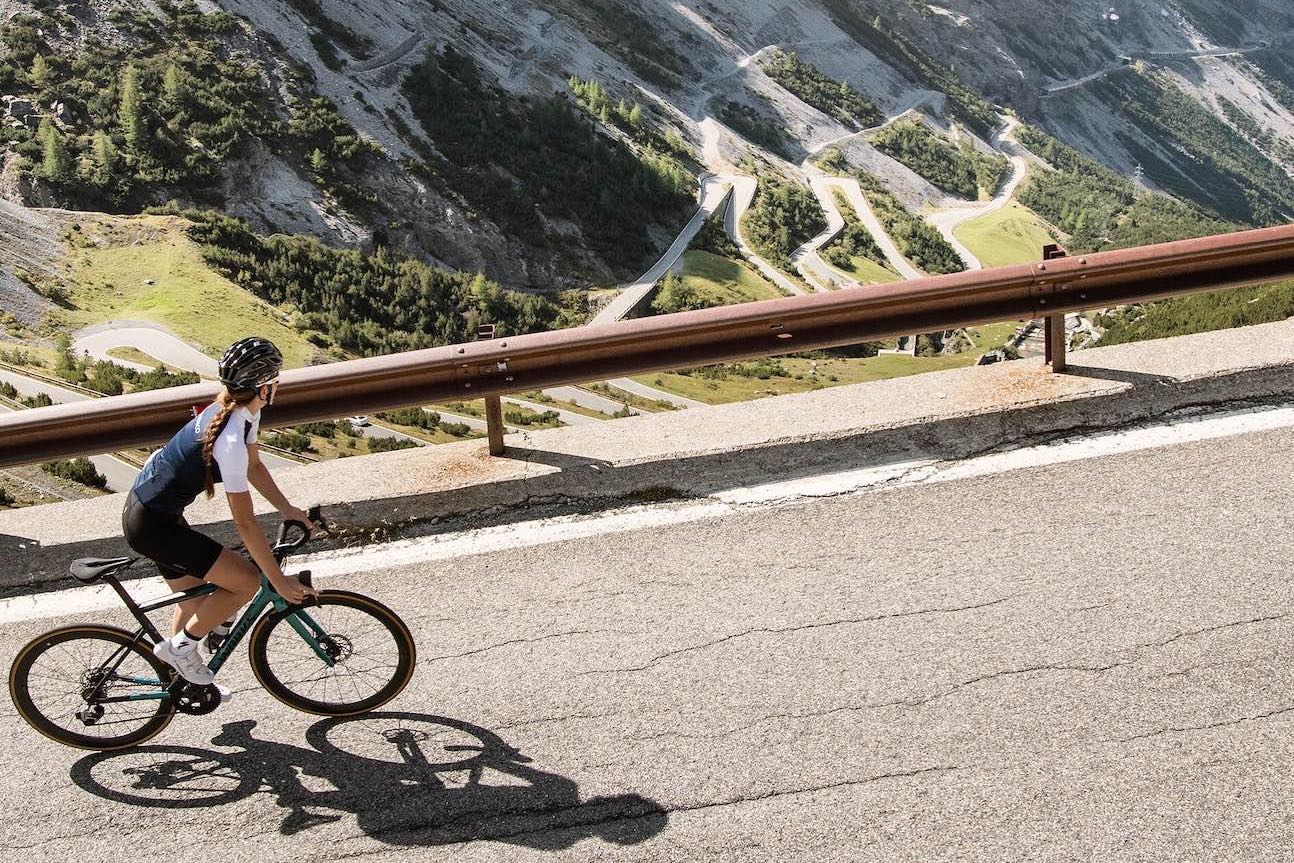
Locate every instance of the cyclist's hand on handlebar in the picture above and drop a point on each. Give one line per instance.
(291, 513)
(291, 589)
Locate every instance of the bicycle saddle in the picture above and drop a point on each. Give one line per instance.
(89, 569)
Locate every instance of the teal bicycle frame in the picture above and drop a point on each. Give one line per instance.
(300, 620)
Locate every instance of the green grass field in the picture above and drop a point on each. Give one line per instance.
(866, 271)
(1011, 235)
(723, 281)
(804, 375)
(135, 355)
(146, 268)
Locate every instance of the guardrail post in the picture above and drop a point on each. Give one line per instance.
(493, 404)
(1054, 338)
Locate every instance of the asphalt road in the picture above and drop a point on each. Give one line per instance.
(373, 430)
(1084, 661)
(157, 343)
(947, 221)
(713, 193)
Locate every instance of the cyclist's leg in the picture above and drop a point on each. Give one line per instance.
(180, 550)
(178, 581)
(238, 581)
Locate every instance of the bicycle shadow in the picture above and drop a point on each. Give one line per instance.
(420, 780)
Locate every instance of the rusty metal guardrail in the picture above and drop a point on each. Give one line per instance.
(516, 363)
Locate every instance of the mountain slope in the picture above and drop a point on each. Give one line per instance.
(327, 141)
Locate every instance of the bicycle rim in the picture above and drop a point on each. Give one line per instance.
(373, 649)
(53, 683)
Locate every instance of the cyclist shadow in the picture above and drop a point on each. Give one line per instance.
(420, 780)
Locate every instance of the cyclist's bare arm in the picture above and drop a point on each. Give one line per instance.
(263, 481)
(240, 507)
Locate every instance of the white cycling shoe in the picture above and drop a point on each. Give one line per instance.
(189, 663)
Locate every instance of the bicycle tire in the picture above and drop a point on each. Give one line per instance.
(273, 636)
(111, 639)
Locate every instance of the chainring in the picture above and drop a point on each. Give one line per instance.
(194, 699)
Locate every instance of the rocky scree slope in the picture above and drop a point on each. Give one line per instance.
(395, 81)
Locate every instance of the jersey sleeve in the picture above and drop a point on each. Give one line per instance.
(253, 433)
(230, 452)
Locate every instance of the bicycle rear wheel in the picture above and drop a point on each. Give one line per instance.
(91, 687)
(371, 651)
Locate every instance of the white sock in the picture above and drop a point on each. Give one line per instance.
(182, 642)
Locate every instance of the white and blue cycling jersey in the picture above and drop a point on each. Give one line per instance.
(174, 476)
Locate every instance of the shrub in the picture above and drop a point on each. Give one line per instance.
(960, 170)
(39, 400)
(413, 417)
(80, 470)
(525, 418)
(319, 429)
(292, 441)
(369, 304)
(783, 216)
(387, 444)
(756, 125)
(522, 160)
(159, 378)
(456, 429)
(834, 98)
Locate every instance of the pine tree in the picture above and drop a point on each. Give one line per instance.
(128, 111)
(65, 366)
(318, 162)
(39, 73)
(636, 115)
(56, 166)
(104, 154)
(173, 89)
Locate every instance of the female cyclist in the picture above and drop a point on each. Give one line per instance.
(217, 445)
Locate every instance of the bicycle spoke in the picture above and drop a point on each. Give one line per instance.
(60, 674)
(368, 656)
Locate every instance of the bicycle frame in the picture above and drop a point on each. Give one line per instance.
(300, 621)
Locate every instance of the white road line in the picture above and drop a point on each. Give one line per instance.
(439, 547)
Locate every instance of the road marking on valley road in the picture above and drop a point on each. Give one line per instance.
(545, 531)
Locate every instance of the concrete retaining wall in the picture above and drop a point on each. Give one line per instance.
(944, 415)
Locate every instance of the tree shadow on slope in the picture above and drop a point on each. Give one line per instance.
(410, 779)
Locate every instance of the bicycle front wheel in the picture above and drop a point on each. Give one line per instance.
(92, 687)
(370, 654)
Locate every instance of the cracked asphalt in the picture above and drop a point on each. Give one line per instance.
(1089, 660)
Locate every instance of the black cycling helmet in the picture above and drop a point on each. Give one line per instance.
(250, 363)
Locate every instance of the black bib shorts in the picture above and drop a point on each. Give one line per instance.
(177, 549)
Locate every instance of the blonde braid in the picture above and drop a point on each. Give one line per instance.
(229, 402)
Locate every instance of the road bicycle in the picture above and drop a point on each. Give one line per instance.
(95, 686)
